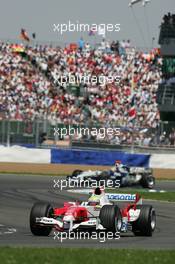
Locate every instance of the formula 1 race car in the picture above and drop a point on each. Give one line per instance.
(133, 176)
(74, 216)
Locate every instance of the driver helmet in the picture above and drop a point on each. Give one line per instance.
(95, 197)
(97, 191)
(117, 162)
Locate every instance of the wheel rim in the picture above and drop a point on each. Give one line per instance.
(118, 223)
(151, 182)
(153, 220)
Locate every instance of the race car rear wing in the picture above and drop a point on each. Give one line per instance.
(124, 197)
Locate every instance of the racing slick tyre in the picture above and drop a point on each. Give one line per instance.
(146, 223)
(75, 173)
(147, 181)
(40, 210)
(111, 218)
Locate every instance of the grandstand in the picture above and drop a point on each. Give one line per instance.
(32, 98)
(166, 90)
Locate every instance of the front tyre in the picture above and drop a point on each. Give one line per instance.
(75, 173)
(146, 223)
(40, 210)
(110, 217)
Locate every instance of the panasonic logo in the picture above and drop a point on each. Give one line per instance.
(122, 197)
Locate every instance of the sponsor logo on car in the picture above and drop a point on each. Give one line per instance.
(121, 197)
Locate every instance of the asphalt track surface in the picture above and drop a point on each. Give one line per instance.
(18, 193)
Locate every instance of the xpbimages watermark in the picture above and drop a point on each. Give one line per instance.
(62, 184)
(100, 236)
(100, 133)
(70, 26)
(87, 79)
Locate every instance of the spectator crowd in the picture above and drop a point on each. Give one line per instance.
(30, 87)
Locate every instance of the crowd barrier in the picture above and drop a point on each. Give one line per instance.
(24, 155)
(19, 154)
(91, 157)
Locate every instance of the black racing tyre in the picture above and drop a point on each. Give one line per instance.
(40, 210)
(111, 218)
(76, 172)
(147, 181)
(146, 223)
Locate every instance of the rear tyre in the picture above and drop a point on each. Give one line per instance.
(40, 210)
(110, 217)
(146, 223)
(147, 181)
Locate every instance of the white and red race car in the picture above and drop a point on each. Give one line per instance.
(130, 215)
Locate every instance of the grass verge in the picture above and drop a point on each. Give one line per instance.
(159, 196)
(92, 256)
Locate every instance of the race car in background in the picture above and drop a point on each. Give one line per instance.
(129, 176)
(103, 214)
